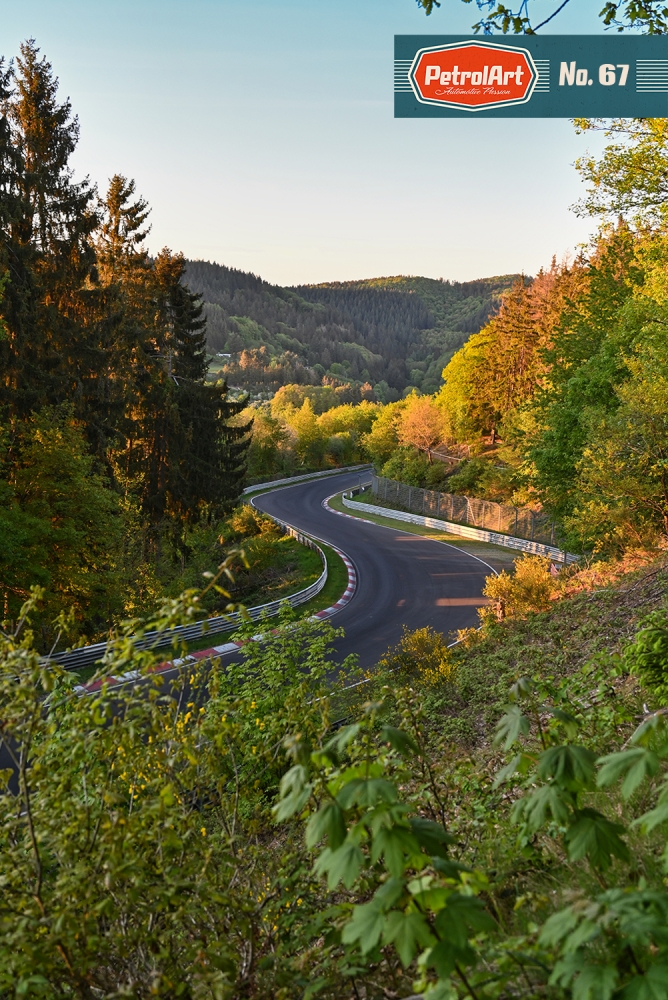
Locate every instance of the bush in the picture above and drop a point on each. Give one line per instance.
(409, 466)
(647, 656)
(480, 478)
(421, 654)
(529, 589)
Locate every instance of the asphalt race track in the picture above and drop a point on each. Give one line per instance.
(403, 579)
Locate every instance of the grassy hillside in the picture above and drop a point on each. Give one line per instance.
(391, 333)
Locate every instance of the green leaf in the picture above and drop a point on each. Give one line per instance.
(652, 986)
(295, 793)
(444, 957)
(589, 982)
(557, 927)
(365, 927)
(571, 767)
(536, 809)
(368, 918)
(327, 822)
(341, 865)
(649, 820)
(462, 917)
(510, 726)
(394, 844)
(407, 932)
(431, 836)
(637, 763)
(596, 838)
(595, 982)
(451, 869)
(342, 738)
(520, 764)
(568, 721)
(399, 740)
(366, 792)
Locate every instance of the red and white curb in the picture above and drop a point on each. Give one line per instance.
(330, 510)
(228, 647)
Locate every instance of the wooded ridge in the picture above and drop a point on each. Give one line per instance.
(392, 333)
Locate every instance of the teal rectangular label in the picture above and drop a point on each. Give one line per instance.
(530, 76)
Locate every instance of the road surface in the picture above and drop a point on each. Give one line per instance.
(403, 579)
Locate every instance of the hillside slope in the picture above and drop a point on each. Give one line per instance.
(391, 332)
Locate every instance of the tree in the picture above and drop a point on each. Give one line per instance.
(584, 364)
(60, 525)
(651, 15)
(51, 351)
(421, 424)
(623, 481)
(500, 368)
(631, 177)
(310, 440)
(383, 438)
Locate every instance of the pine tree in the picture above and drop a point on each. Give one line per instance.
(51, 353)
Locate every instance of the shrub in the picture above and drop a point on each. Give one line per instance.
(647, 656)
(422, 653)
(408, 466)
(529, 589)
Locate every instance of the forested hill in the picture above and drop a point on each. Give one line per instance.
(391, 332)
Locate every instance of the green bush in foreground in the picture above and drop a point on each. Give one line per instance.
(277, 837)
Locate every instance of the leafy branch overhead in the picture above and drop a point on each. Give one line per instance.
(651, 17)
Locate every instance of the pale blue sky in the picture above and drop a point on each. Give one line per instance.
(261, 132)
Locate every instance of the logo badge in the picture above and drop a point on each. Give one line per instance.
(473, 75)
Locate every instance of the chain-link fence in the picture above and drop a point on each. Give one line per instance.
(516, 521)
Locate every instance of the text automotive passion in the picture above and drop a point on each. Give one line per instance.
(551, 76)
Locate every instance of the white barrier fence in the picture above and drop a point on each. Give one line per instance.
(463, 530)
(289, 480)
(75, 659)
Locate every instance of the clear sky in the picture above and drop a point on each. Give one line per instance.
(261, 132)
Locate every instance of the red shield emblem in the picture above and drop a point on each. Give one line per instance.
(473, 75)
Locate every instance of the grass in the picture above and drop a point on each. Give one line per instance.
(554, 642)
(497, 556)
(337, 580)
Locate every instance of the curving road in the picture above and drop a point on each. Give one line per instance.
(403, 579)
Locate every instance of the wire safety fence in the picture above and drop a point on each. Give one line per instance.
(519, 522)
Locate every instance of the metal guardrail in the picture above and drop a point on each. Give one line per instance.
(463, 530)
(75, 659)
(309, 475)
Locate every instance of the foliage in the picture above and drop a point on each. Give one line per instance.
(388, 333)
(93, 324)
(135, 864)
(60, 525)
(528, 589)
(623, 481)
(408, 466)
(481, 477)
(417, 902)
(421, 424)
(502, 367)
(144, 857)
(383, 439)
(420, 656)
(649, 15)
(647, 655)
(630, 178)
